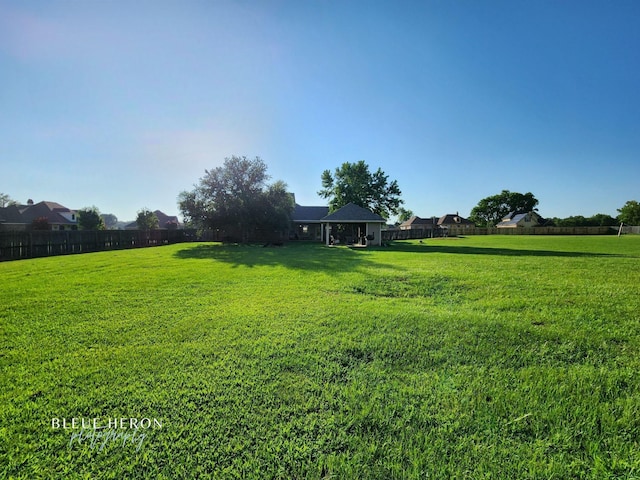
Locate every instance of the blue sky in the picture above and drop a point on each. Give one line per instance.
(123, 105)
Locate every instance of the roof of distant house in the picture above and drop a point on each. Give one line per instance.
(10, 214)
(352, 213)
(415, 220)
(512, 218)
(55, 207)
(508, 223)
(25, 214)
(163, 220)
(454, 219)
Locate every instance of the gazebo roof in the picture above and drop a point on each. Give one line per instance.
(352, 213)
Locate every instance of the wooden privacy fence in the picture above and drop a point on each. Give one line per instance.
(18, 245)
(461, 231)
(454, 231)
(630, 229)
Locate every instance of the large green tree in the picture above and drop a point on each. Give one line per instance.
(630, 213)
(89, 218)
(237, 197)
(491, 210)
(354, 183)
(146, 219)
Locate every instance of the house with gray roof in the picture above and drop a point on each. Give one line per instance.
(454, 220)
(353, 224)
(416, 227)
(306, 223)
(11, 218)
(21, 217)
(417, 223)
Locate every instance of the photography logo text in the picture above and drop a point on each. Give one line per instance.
(100, 433)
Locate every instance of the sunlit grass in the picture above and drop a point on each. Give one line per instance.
(478, 357)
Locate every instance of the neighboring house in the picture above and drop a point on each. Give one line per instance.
(306, 222)
(417, 223)
(11, 218)
(353, 224)
(164, 221)
(451, 220)
(21, 217)
(520, 220)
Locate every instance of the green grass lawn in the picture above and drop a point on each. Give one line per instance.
(479, 357)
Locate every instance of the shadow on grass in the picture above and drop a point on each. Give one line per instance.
(303, 256)
(464, 250)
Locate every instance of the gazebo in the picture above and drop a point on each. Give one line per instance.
(353, 224)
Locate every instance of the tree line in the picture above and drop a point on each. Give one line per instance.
(490, 210)
(238, 196)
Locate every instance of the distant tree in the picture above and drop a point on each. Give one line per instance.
(354, 183)
(236, 196)
(597, 220)
(4, 200)
(194, 209)
(491, 210)
(630, 213)
(110, 220)
(89, 219)
(573, 221)
(404, 214)
(40, 223)
(602, 220)
(147, 220)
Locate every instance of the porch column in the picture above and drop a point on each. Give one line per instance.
(376, 230)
